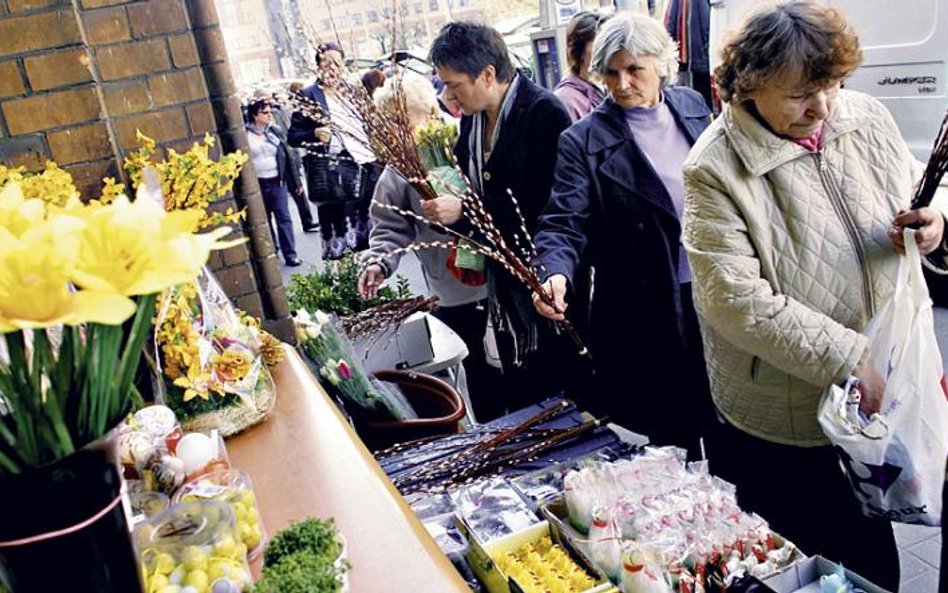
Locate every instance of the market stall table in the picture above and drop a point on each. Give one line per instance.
(306, 460)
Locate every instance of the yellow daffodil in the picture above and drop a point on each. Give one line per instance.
(34, 287)
(136, 248)
(17, 214)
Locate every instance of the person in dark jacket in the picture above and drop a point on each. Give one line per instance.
(577, 92)
(617, 204)
(276, 174)
(334, 163)
(689, 23)
(507, 141)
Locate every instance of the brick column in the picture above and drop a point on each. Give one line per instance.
(212, 55)
(77, 79)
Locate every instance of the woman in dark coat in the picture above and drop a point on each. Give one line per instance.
(616, 204)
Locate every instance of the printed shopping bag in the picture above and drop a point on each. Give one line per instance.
(896, 459)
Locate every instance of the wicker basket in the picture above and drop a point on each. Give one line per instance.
(233, 419)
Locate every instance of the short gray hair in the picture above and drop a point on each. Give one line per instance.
(640, 35)
(419, 93)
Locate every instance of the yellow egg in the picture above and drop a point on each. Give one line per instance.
(158, 582)
(164, 563)
(219, 569)
(225, 547)
(194, 558)
(245, 531)
(240, 511)
(252, 516)
(256, 536)
(240, 550)
(248, 498)
(197, 579)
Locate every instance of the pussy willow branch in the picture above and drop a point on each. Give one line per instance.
(387, 315)
(388, 133)
(935, 170)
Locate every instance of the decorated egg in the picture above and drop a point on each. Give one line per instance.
(196, 450)
(170, 473)
(157, 420)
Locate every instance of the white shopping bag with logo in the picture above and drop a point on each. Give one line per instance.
(895, 459)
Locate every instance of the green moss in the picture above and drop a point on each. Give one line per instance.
(303, 559)
(302, 572)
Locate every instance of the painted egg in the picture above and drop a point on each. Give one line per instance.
(170, 473)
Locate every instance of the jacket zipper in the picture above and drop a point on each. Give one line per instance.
(837, 200)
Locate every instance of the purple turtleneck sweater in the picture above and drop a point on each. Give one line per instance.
(665, 145)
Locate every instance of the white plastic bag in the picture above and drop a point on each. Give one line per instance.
(895, 460)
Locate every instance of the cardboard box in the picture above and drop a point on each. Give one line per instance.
(481, 558)
(804, 577)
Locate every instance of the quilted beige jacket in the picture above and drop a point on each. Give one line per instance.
(790, 257)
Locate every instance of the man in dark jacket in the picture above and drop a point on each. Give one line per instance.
(509, 131)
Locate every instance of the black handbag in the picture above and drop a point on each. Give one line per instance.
(333, 179)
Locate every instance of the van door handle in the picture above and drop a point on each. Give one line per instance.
(717, 3)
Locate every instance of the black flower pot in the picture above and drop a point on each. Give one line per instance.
(62, 528)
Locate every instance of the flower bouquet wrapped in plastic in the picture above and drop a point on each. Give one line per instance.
(434, 142)
(212, 363)
(322, 341)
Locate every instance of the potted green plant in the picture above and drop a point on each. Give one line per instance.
(335, 289)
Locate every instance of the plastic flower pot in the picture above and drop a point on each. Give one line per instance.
(439, 406)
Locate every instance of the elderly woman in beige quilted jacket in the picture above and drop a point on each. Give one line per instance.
(796, 196)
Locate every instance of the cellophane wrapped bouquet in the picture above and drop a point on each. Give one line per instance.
(322, 340)
(212, 360)
(435, 141)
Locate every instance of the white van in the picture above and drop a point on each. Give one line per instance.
(905, 58)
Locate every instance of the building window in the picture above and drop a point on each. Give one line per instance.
(418, 8)
(373, 15)
(342, 22)
(356, 19)
(324, 25)
(433, 5)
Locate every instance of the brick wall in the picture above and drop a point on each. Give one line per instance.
(78, 78)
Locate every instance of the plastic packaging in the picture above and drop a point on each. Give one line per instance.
(234, 488)
(212, 372)
(605, 542)
(194, 544)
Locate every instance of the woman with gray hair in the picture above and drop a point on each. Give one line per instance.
(796, 200)
(616, 205)
(461, 307)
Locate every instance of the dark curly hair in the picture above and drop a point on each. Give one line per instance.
(800, 38)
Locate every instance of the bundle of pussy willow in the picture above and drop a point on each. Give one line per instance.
(444, 463)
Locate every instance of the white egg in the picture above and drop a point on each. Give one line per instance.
(177, 575)
(195, 450)
(223, 585)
